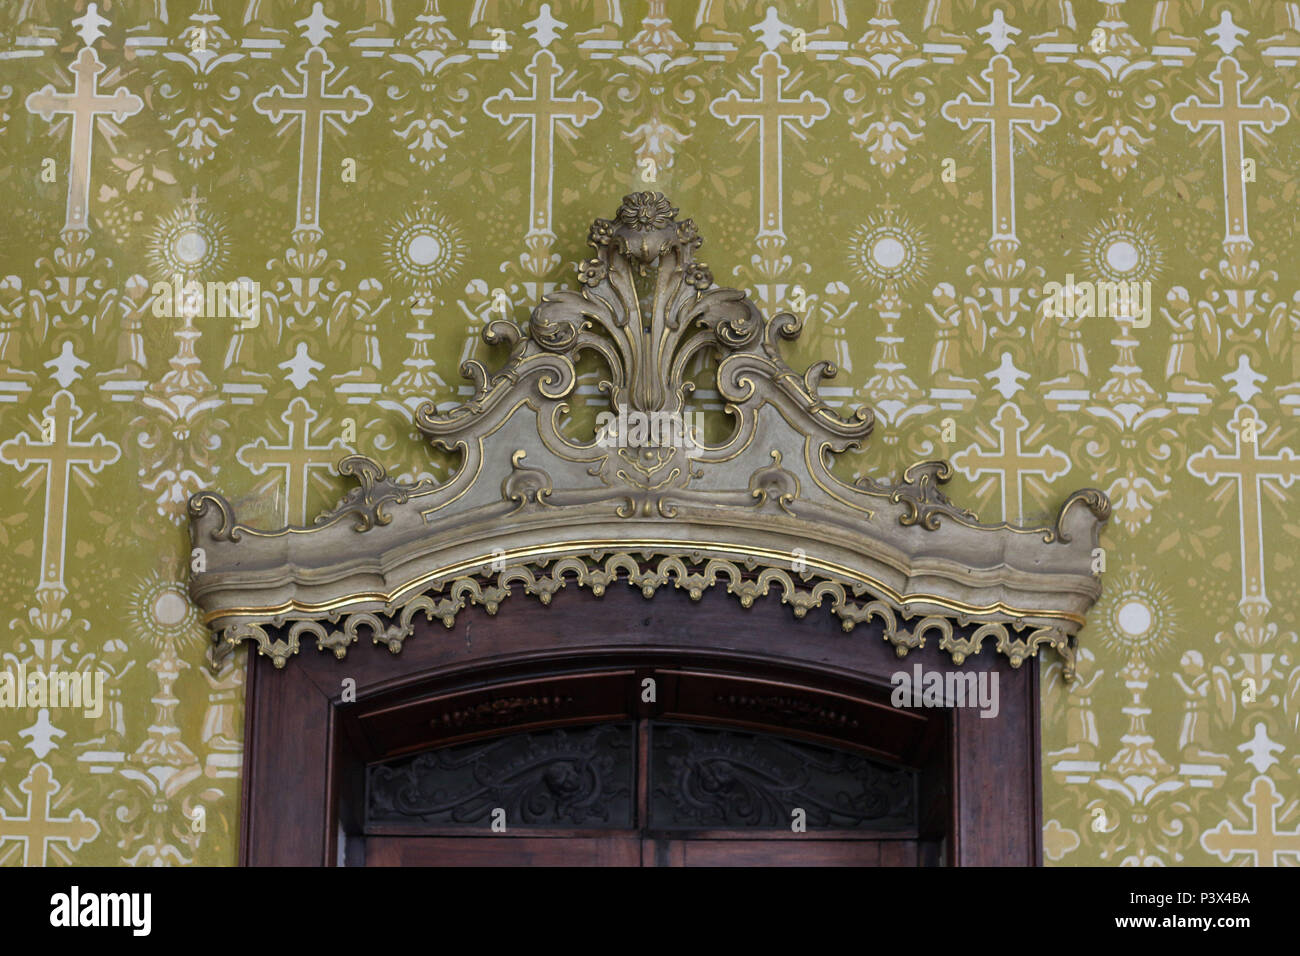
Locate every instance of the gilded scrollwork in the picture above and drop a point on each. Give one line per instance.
(525, 486)
(202, 502)
(367, 503)
(687, 572)
(774, 484)
(534, 506)
(918, 491)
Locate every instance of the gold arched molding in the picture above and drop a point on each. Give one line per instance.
(532, 511)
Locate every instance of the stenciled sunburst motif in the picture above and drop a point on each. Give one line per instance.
(1122, 249)
(889, 252)
(160, 611)
(195, 245)
(424, 249)
(1136, 616)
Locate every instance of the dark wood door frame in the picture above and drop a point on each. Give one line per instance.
(520, 728)
(305, 747)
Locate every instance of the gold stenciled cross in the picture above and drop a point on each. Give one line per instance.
(1231, 116)
(543, 111)
(1249, 469)
(39, 828)
(1011, 461)
(59, 457)
(297, 456)
(1264, 842)
(1002, 114)
(84, 103)
(312, 106)
(772, 112)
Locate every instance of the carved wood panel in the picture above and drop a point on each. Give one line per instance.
(580, 777)
(711, 779)
(715, 665)
(699, 778)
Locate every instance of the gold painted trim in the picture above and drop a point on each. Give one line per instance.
(478, 470)
(807, 458)
(647, 351)
(633, 546)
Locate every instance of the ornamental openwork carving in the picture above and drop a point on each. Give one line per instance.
(699, 778)
(532, 510)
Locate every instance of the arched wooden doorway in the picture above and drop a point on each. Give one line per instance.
(757, 674)
(837, 586)
(646, 791)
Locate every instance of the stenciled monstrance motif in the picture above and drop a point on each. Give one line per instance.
(532, 508)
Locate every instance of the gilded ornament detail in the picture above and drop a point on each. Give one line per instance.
(776, 518)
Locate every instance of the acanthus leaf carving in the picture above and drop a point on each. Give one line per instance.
(741, 512)
(367, 503)
(918, 491)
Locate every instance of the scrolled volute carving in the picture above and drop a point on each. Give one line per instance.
(203, 502)
(751, 502)
(525, 486)
(367, 503)
(918, 492)
(775, 484)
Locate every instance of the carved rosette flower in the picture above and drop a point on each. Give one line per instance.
(601, 233)
(687, 234)
(645, 228)
(698, 276)
(592, 272)
(646, 211)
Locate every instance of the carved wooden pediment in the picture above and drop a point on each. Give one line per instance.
(531, 510)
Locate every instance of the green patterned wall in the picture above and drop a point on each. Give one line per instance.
(913, 175)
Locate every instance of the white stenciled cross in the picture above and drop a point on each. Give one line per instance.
(544, 110)
(59, 458)
(311, 106)
(84, 103)
(772, 112)
(1231, 116)
(297, 456)
(1002, 114)
(1250, 470)
(1263, 844)
(1011, 460)
(40, 827)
